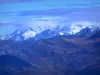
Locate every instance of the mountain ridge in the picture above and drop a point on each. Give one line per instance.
(29, 33)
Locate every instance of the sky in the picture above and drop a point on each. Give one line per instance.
(16, 14)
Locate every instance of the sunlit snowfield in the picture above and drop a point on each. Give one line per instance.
(49, 37)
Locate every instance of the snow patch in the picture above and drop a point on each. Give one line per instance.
(18, 32)
(61, 33)
(2, 38)
(29, 34)
(18, 38)
(76, 28)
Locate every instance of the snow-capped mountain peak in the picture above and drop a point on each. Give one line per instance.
(61, 33)
(20, 34)
(76, 29)
(29, 34)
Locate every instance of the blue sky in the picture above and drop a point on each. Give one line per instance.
(24, 13)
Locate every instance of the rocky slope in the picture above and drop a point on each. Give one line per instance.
(59, 55)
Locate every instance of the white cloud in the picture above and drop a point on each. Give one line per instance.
(86, 23)
(43, 23)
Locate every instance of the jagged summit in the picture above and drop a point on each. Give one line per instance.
(20, 34)
(24, 34)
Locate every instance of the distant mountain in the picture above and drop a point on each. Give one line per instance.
(20, 34)
(48, 34)
(85, 32)
(29, 33)
(96, 34)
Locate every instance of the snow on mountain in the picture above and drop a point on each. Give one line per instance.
(20, 34)
(29, 34)
(61, 33)
(85, 32)
(74, 29)
(46, 34)
(3, 38)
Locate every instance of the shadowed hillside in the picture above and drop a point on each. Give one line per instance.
(59, 55)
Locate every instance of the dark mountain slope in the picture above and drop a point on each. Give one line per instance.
(12, 61)
(90, 70)
(12, 65)
(95, 36)
(56, 56)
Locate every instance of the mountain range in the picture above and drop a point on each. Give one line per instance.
(77, 54)
(29, 33)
